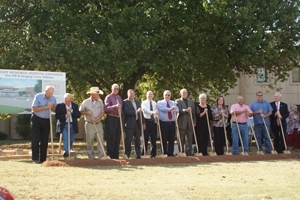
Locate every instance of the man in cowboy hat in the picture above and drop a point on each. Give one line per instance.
(93, 111)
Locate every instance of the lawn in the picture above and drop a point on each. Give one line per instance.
(227, 180)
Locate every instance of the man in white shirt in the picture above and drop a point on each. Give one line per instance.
(149, 108)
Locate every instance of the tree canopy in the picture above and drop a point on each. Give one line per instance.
(199, 45)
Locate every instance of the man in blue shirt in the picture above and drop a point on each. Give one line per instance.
(41, 105)
(167, 110)
(261, 109)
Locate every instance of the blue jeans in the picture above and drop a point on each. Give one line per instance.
(261, 134)
(65, 137)
(235, 137)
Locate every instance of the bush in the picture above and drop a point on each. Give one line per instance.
(3, 135)
(23, 127)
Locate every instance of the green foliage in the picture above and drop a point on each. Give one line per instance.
(199, 45)
(3, 135)
(38, 86)
(23, 127)
(4, 116)
(21, 93)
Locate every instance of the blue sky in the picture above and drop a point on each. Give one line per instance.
(18, 83)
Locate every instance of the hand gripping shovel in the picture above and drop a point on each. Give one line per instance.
(101, 144)
(212, 152)
(259, 151)
(240, 136)
(286, 151)
(122, 134)
(143, 137)
(193, 127)
(180, 154)
(161, 142)
(273, 150)
(226, 139)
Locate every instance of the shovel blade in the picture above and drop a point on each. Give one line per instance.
(198, 154)
(287, 152)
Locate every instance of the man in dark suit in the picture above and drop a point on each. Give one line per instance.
(280, 112)
(64, 112)
(186, 107)
(132, 109)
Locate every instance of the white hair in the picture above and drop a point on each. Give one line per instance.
(277, 94)
(114, 85)
(202, 96)
(67, 95)
(49, 87)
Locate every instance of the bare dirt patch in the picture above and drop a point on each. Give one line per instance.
(168, 160)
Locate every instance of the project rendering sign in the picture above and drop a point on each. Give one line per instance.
(18, 88)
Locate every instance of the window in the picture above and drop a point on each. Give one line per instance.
(261, 75)
(296, 74)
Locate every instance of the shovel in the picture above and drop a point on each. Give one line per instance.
(225, 132)
(273, 150)
(193, 127)
(51, 134)
(240, 136)
(180, 154)
(59, 143)
(212, 153)
(122, 134)
(259, 152)
(286, 151)
(101, 144)
(161, 142)
(69, 139)
(143, 137)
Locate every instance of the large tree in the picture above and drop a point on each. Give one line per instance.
(152, 44)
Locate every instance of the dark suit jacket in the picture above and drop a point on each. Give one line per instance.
(130, 114)
(61, 112)
(184, 117)
(284, 113)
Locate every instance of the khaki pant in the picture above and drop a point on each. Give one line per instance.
(91, 132)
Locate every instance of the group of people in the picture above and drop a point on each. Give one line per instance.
(182, 115)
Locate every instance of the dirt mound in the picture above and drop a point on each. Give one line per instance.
(168, 160)
(54, 163)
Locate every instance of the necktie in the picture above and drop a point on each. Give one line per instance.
(278, 120)
(151, 109)
(134, 106)
(169, 113)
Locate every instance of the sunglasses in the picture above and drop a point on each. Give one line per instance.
(260, 95)
(116, 88)
(167, 95)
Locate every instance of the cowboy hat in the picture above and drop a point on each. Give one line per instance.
(95, 90)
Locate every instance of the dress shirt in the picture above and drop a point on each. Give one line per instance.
(146, 108)
(70, 106)
(40, 100)
(163, 110)
(110, 101)
(265, 107)
(242, 118)
(96, 107)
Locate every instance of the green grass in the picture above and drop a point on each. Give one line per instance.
(240, 180)
(10, 109)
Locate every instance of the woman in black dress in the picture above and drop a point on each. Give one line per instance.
(202, 126)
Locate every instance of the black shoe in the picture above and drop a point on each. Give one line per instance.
(66, 155)
(36, 162)
(138, 157)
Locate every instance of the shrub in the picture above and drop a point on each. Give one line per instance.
(3, 135)
(23, 127)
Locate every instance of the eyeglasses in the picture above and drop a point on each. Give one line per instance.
(167, 95)
(116, 88)
(260, 95)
